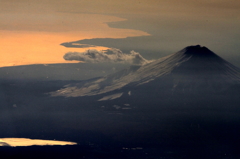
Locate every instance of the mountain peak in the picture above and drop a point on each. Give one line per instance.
(198, 50)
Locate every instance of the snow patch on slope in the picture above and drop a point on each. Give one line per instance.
(111, 97)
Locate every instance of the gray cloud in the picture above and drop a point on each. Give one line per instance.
(111, 56)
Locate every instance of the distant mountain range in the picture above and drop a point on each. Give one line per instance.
(51, 72)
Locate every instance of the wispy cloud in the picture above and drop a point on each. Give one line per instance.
(111, 55)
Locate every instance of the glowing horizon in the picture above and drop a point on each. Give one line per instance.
(36, 38)
(14, 142)
(172, 24)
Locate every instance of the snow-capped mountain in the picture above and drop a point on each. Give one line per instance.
(194, 68)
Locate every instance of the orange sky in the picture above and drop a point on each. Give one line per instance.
(31, 31)
(35, 38)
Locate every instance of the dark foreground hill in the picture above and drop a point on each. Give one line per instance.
(185, 105)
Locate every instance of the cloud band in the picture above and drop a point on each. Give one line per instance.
(111, 55)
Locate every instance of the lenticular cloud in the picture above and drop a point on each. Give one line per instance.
(110, 55)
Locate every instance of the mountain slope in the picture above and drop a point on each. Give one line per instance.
(194, 68)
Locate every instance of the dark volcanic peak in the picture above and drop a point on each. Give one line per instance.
(198, 50)
(202, 61)
(201, 57)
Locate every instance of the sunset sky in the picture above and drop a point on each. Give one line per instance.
(31, 31)
(81, 72)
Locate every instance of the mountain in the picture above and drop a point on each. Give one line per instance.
(188, 98)
(193, 70)
(185, 103)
